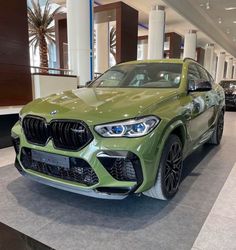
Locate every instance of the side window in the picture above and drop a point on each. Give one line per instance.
(193, 75)
(203, 74)
(211, 79)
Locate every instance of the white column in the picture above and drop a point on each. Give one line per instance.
(144, 48)
(214, 66)
(102, 47)
(229, 68)
(156, 32)
(80, 38)
(220, 67)
(190, 44)
(234, 76)
(209, 58)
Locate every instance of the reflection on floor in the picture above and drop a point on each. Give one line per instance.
(64, 220)
(220, 224)
(7, 156)
(11, 239)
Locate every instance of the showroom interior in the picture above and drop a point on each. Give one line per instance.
(98, 98)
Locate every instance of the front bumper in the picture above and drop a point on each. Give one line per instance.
(70, 188)
(108, 187)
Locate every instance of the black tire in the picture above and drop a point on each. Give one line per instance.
(169, 171)
(218, 132)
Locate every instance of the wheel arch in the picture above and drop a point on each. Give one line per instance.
(178, 128)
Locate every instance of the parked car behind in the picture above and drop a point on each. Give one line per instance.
(229, 87)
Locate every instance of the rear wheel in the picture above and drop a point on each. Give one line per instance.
(169, 172)
(218, 132)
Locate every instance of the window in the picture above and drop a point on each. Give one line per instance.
(203, 74)
(193, 73)
(141, 75)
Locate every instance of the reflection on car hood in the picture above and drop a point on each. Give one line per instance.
(97, 105)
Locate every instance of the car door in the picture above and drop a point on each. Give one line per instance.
(197, 124)
(210, 99)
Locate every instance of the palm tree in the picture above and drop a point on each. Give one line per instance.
(41, 29)
(113, 41)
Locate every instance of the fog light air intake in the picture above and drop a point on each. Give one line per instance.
(122, 165)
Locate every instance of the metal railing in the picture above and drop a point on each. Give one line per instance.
(50, 71)
(53, 71)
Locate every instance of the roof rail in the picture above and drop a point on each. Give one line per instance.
(191, 59)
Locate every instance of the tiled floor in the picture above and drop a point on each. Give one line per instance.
(64, 220)
(7, 156)
(220, 224)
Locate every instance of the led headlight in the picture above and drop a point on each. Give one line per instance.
(130, 128)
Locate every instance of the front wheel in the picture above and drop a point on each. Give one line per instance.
(169, 171)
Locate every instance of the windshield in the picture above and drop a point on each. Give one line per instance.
(228, 84)
(143, 75)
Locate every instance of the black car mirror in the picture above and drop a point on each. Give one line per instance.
(199, 86)
(87, 83)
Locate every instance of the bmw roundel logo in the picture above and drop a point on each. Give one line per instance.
(54, 112)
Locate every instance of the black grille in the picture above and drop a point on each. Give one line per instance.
(122, 166)
(35, 130)
(79, 170)
(66, 134)
(122, 169)
(70, 134)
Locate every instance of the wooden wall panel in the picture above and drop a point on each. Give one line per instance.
(15, 77)
(126, 33)
(61, 37)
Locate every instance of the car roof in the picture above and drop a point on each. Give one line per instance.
(154, 61)
(174, 60)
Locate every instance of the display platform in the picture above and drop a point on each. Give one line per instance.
(15, 240)
(8, 117)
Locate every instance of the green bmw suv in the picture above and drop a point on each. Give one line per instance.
(127, 132)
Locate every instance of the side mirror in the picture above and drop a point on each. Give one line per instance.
(199, 86)
(87, 83)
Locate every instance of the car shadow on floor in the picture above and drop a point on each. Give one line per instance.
(73, 209)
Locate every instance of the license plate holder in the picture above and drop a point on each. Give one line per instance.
(51, 159)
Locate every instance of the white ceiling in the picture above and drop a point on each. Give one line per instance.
(207, 19)
(182, 15)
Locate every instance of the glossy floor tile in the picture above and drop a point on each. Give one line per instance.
(7, 156)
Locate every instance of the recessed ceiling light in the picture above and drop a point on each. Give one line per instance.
(230, 8)
(234, 22)
(228, 31)
(208, 5)
(219, 20)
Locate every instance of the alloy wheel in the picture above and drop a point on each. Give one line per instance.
(220, 126)
(173, 168)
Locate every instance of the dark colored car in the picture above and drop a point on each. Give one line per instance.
(229, 87)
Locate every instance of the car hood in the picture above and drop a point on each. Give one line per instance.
(97, 105)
